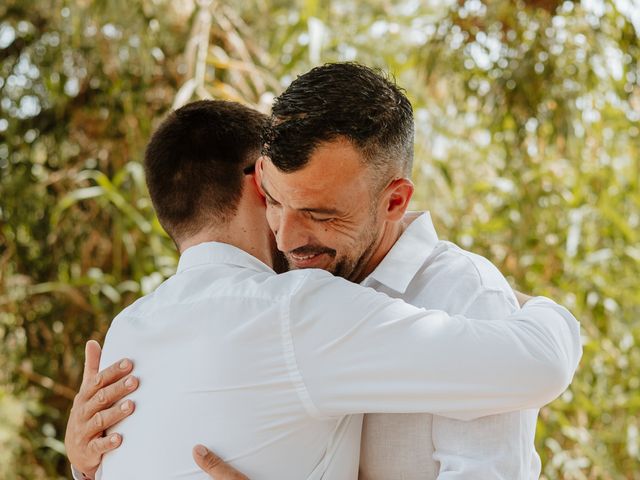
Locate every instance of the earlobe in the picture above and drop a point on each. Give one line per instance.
(258, 191)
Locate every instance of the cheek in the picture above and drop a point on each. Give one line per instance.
(357, 237)
(339, 237)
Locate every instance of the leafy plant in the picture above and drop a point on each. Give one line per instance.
(527, 151)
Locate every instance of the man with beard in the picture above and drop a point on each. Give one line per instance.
(335, 177)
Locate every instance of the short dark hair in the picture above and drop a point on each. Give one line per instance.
(194, 163)
(342, 100)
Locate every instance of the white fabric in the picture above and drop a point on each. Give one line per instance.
(265, 368)
(435, 274)
(77, 474)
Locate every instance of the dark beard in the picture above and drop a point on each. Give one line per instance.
(352, 270)
(280, 264)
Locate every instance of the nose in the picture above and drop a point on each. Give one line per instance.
(292, 232)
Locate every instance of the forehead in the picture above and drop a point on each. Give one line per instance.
(335, 174)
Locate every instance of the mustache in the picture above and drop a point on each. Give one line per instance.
(313, 250)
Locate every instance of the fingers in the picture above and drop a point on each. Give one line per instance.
(84, 442)
(92, 353)
(214, 466)
(93, 383)
(107, 396)
(101, 445)
(109, 417)
(97, 407)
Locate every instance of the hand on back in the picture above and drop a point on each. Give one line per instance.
(100, 404)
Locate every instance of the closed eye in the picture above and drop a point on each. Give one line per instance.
(320, 219)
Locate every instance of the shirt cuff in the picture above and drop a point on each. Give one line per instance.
(78, 475)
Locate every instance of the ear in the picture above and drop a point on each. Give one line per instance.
(397, 198)
(252, 193)
(257, 177)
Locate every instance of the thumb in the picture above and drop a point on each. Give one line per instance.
(214, 466)
(92, 352)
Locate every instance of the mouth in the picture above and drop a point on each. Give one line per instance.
(307, 260)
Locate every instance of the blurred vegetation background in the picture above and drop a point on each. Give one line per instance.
(528, 151)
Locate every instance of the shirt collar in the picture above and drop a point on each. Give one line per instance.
(407, 256)
(219, 253)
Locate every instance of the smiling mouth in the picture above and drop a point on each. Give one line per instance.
(302, 258)
(307, 260)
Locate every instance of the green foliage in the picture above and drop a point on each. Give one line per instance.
(527, 151)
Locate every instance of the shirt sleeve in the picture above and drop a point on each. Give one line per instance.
(495, 446)
(351, 349)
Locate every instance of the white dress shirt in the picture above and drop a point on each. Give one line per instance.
(435, 274)
(266, 369)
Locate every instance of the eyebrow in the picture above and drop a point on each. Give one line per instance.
(325, 211)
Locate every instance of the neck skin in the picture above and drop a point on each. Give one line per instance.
(247, 229)
(238, 235)
(397, 221)
(390, 235)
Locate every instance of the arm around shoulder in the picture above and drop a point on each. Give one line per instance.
(354, 350)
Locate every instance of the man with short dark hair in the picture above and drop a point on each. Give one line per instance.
(340, 140)
(191, 191)
(359, 127)
(195, 164)
(328, 363)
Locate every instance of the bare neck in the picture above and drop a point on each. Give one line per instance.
(390, 235)
(238, 233)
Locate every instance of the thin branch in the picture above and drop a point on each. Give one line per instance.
(47, 382)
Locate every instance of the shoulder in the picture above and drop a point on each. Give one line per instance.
(449, 260)
(318, 286)
(458, 281)
(137, 309)
(296, 282)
